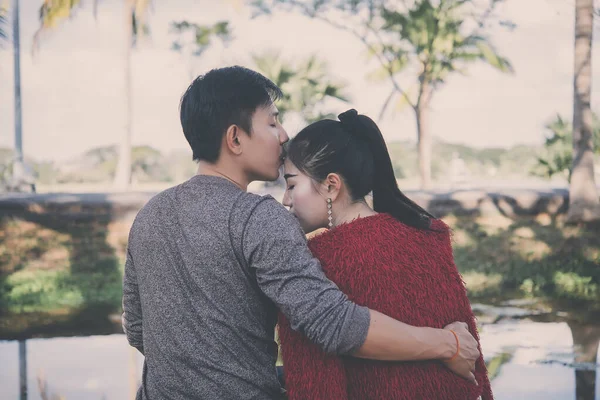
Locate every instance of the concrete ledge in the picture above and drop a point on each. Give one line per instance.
(117, 206)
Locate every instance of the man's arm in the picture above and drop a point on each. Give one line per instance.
(292, 278)
(414, 343)
(392, 340)
(132, 306)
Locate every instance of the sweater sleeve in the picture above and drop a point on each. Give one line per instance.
(275, 248)
(132, 307)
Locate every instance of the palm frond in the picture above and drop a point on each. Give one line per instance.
(3, 23)
(51, 14)
(306, 84)
(491, 57)
(202, 35)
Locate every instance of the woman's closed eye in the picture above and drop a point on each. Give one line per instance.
(290, 187)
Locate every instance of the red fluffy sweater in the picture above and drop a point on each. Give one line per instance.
(406, 273)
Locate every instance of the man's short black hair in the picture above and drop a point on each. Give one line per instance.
(221, 98)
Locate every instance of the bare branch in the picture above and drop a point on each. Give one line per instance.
(385, 104)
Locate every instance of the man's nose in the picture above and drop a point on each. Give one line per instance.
(283, 136)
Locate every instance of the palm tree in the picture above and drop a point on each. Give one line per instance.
(53, 12)
(584, 203)
(431, 39)
(22, 176)
(306, 85)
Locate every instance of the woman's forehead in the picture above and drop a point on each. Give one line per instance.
(289, 167)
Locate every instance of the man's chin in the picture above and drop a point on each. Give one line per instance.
(275, 175)
(269, 178)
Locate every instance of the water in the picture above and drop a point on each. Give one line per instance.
(532, 372)
(537, 356)
(92, 367)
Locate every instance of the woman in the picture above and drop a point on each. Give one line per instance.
(395, 258)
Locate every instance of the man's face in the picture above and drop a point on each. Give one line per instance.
(263, 151)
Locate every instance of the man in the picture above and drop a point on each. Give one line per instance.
(209, 264)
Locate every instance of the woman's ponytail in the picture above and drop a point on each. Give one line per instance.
(387, 197)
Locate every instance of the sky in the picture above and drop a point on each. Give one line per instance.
(73, 88)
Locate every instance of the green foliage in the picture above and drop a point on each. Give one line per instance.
(147, 165)
(3, 24)
(29, 291)
(524, 257)
(486, 162)
(98, 165)
(574, 286)
(557, 155)
(50, 262)
(54, 12)
(497, 257)
(306, 85)
(432, 38)
(428, 40)
(495, 364)
(202, 36)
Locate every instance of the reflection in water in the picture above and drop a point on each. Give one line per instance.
(586, 350)
(22, 369)
(495, 364)
(526, 359)
(93, 367)
(44, 390)
(531, 343)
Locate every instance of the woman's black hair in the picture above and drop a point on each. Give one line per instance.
(355, 148)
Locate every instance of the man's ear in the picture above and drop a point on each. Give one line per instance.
(233, 139)
(332, 186)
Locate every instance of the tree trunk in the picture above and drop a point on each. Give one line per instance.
(584, 203)
(123, 172)
(424, 142)
(18, 167)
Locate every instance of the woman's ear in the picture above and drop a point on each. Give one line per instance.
(332, 186)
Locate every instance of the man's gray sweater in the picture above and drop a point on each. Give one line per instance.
(208, 266)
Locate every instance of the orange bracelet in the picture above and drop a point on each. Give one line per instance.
(457, 346)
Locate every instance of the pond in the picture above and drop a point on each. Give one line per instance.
(530, 354)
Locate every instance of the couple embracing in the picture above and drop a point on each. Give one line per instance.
(373, 307)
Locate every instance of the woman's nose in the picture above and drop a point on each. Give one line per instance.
(286, 199)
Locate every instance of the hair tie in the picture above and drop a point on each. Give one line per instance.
(347, 115)
(353, 125)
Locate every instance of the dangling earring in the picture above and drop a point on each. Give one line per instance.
(329, 216)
